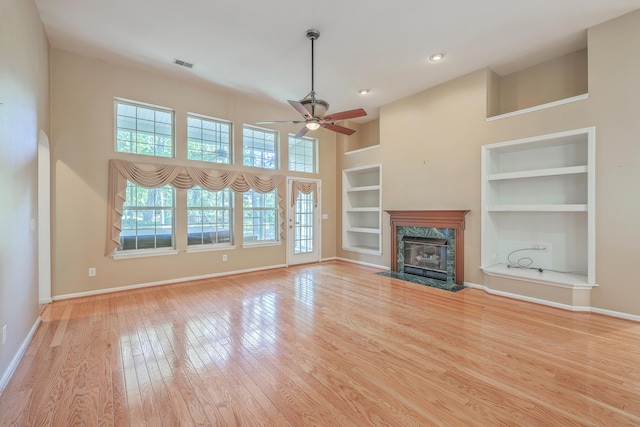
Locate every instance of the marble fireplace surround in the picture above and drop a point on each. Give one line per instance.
(451, 219)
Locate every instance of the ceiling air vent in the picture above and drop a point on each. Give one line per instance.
(183, 63)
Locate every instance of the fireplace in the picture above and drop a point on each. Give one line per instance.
(428, 244)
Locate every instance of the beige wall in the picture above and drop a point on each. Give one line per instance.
(23, 114)
(430, 155)
(83, 92)
(549, 81)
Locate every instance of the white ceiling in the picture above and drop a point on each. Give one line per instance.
(260, 48)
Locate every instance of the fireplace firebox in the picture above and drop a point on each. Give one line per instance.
(425, 256)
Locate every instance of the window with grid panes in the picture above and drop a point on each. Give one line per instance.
(260, 217)
(209, 216)
(259, 147)
(147, 218)
(303, 154)
(144, 129)
(208, 139)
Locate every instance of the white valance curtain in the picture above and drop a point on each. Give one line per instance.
(180, 177)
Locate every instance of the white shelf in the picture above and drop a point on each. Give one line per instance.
(372, 250)
(539, 208)
(364, 230)
(541, 190)
(570, 170)
(362, 209)
(366, 188)
(547, 277)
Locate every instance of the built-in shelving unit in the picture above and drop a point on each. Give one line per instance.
(539, 193)
(362, 209)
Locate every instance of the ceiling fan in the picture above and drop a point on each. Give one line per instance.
(314, 109)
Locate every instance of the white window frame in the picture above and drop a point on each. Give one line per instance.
(254, 146)
(135, 129)
(196, 247)
(295, 146)
(214, 141)
(137, 252)
(276, 224)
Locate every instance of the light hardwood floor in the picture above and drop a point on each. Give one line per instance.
(329, 344)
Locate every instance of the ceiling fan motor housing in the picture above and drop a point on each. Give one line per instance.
(317, 108)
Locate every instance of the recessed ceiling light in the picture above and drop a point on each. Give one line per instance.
(436, 57)
(363, 91)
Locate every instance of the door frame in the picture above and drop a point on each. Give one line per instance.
(317, 221)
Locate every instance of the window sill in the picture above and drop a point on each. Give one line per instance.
(258, 244)
(209, 248)
(143, 253)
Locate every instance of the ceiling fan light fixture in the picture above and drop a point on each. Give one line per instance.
(313, 125)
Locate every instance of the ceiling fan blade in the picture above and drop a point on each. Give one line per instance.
(302, 132)
(300, 109)
(337, 128)
(351, 114)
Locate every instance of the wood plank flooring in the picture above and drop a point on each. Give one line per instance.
(329, 344)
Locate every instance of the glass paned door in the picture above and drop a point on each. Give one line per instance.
(302, 229)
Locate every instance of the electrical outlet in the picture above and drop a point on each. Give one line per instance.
(539, 247)
(92, 272)
(4, 334)
(224, 257)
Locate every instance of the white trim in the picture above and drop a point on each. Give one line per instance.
(163, 282)
(589, 309)
(259, 244)
(332, 258)
(368, 264)
(6, 377)
(142, 254)
(539, 107)
(360, 150)
(208, 248)
(528, 299)
(617, 314)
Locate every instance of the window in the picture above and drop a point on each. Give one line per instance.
(303, 154)
(209, 216)
(259, 148)
(143, 129)
(260, 216)
(208, 140)
(147, 218)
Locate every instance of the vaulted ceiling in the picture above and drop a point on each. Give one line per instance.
(260, 48)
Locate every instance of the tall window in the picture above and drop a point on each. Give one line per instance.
(209, 216)
(303, 154)
(260, 216)
(259, 147)
(208, 139)
(147, 218)
(144, 129)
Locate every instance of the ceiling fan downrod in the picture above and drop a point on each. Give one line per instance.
(312, 35)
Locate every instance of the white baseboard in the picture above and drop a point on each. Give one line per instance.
(382, 267)
(587, 309)
(162, 282)
(6, 376)
(612, 313)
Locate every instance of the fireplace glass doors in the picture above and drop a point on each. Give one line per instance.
(425, 256)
